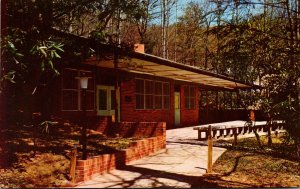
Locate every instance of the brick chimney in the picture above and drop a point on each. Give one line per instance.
(140, 48)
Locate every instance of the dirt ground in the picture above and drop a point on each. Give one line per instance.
(47, 164)
(247, 166)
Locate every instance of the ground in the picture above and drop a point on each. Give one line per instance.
(244, 165)
(247, 166)
(48, 163)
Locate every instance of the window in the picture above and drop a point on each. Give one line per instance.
(189, 97)
(158, 95)
(166, 95)
(152, 94)
(149, 94)
(72, 94)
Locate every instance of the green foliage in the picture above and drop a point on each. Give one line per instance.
(46, 51)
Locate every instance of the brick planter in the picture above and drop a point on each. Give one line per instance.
(86, 169)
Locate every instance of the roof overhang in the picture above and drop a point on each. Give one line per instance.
(148, 64)
(152, 65)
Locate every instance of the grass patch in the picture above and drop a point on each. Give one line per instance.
(246, 165)
(49, 167)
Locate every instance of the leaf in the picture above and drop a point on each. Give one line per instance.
(56, 55)
(42, 66)
(43, 52)
(52, 54)
(58, 47)
(11, 46)
(50, 64)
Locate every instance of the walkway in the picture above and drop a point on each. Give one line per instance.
(179, 165)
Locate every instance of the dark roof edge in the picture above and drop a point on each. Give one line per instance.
(148, 57)
(166, 62)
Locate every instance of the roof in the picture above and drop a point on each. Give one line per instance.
(144, 63)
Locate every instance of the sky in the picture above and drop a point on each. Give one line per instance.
(181, 4)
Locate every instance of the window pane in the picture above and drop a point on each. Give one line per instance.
(113, 100)
(186, 97)
(149, 87)
(166, 89)
(186, 91)
(192, 92)
(149, 101)
(187, 103)
(158, 102)
(90, 100)
(70, 100)
(167, 102)
(69, 80)
(192, 103)
(158, 88)
(140, 102)
(139, 86)
(102, 99)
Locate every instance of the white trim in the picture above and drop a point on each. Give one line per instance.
(108, 111)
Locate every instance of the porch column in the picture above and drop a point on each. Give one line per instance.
(116, 71)
(217, 100)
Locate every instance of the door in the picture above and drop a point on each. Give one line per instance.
(177, 108)
(106, 101)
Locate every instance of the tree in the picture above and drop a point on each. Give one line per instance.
(190, 48)
(32, 51)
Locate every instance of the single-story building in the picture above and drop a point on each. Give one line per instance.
(149, 89)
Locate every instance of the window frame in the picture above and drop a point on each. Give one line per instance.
(78, 90)
(153, 94)
(190, 97)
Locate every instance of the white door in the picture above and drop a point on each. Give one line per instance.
(106, 100)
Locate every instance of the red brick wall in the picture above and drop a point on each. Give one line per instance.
(140, 129)
(189, 117)
(86, 169)
(128, 111)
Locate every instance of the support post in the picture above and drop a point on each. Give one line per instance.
(235, 134)
(210, 148)
(116, 71)
(84, 127)
(73, 164)
(269, 127)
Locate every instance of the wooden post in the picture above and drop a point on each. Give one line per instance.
(269, 127)
(235, 134)
(210, 148)
(116, 71)
(73, 164)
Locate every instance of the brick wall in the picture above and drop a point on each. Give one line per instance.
(86, 169)
(141, 129)
(128, 111)
(189, 117)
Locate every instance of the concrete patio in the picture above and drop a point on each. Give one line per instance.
(179, 165)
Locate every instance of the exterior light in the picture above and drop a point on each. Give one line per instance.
(83, 82)
(84, 85)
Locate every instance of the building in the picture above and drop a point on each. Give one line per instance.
(149, 89)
